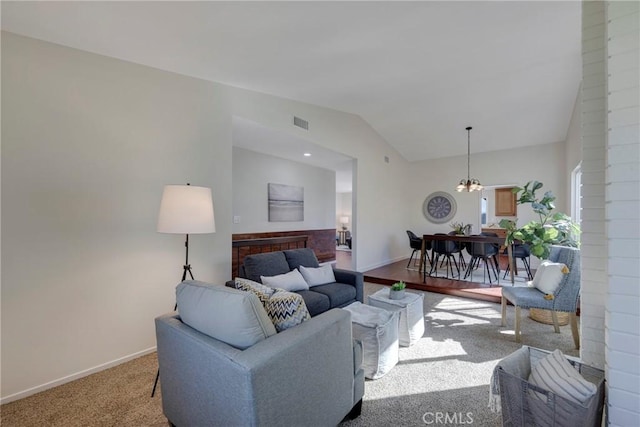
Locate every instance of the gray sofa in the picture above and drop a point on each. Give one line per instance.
(347, 289)
(309, 374)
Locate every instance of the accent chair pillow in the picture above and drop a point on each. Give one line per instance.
(556, 374)
(226, 314)
(286, 309)
(548, 276)
(291, 281)
(318, 276)
(261, 291)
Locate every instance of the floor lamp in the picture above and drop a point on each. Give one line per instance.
(185, 209)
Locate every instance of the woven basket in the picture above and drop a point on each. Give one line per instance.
(520, 408)
(544, 316)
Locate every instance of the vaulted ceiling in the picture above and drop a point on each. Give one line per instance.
(417, 72)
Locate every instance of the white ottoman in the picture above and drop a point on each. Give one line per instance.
(377, 329)
(411, 318)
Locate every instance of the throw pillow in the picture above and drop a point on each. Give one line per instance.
(303, 256)
(549, 276)
(318, 276)
(286, 309)
(291, 281)
(261, 291)
(555, 374)
(538, 275)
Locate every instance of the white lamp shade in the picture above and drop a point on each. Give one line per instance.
(186, 209)
(344, 220)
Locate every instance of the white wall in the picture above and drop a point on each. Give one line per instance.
(88, 144)
(594, 163)
(379, 208)
(252, 172)
(343, 208)
(622, 312)
(544, 163)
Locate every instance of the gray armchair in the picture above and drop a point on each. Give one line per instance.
(565, 299)
(306, 375)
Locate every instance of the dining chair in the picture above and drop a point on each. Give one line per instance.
(485, 253)
(520, 251)
(446, 249)
(415, 243)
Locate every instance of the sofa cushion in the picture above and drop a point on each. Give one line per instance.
(286, 309)
(339, 294)
(265, 264)
(297, 257)
(228, 315)
(318, 275)
(316, 302)
(291, 281)
(261, 291)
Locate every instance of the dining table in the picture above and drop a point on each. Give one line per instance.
(463, 239)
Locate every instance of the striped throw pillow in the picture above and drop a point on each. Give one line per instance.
(556, 374)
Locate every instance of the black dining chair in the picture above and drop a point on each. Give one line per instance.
(485, 253)
(415, 243)
(520, 251)
(446, 249)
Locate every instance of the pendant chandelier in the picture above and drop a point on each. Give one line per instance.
(469, 184)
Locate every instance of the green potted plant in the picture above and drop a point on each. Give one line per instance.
(552, 228)
(461, 229)
(397, 290)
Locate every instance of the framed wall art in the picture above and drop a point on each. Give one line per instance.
(286, 203)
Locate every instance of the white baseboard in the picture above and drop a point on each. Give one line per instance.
(78, 375)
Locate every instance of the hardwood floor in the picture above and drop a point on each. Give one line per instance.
(391, 273)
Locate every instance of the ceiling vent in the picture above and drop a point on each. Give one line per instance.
(301, 123)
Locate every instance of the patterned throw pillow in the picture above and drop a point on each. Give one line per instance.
(286, 309)
(261, 291)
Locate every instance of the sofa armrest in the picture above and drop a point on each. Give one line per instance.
(353, 278)
(271, 382)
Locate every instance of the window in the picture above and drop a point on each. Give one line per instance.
(576, 193)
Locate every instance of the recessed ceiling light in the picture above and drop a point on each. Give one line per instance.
(307, 154)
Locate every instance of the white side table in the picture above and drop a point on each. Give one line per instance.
(377, 329)
(411, 326)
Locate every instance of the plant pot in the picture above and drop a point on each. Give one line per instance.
(396, 294)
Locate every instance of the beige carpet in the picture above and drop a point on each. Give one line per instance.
(447, 371)
(119, 396)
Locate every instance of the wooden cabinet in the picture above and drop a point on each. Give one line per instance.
(501, 232)
(505, 202)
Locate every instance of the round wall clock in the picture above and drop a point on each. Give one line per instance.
(439, 207)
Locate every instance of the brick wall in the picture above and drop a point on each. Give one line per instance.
(594, 161)
(622, 319)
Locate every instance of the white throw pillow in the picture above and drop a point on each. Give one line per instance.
(555, 374)
(538, 275)
(548, 276)
(228, 315)
(318, 276)
(291, 281)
